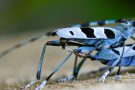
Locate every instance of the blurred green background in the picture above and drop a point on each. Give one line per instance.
(17, 16)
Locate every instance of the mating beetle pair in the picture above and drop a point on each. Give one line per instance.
(109, 42)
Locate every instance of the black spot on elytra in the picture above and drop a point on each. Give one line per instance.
(71, 32)
(89, 32)
(101, 23)
(109, 33)
(115, 51)
(133, 48)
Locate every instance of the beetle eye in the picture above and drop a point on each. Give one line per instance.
(71, 33)
(133, 24)
(125, 28)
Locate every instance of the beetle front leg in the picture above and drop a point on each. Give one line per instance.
(54, 71)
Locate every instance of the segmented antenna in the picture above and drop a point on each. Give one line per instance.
(94, 23)
(21, 44)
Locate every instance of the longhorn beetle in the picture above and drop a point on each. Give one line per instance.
(118, 35)
(82, 35)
